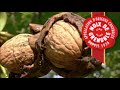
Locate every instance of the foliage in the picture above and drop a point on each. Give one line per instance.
(112, 67)
(14, 23)
(3, 19)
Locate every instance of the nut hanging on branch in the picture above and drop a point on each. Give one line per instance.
(61, 45)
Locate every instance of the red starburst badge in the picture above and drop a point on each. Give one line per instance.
(99, 33)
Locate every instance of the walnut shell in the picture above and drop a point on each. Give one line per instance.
(16, 52)
(63, 45)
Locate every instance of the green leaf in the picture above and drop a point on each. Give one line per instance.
(84, 14)
(4, 73)
(115, 17)
(3, 19)
(46, 15)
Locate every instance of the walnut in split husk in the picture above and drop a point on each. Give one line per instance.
(62, 46)
(19, 58)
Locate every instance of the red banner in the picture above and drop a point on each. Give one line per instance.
(99, 33)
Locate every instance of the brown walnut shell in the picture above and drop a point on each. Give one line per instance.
(16, 52)
(18, 57)
(63, 45)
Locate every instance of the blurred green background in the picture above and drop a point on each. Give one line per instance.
(13, 23)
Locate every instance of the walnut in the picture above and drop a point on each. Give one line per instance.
(63, 45)
(18, 57)
(16, 52)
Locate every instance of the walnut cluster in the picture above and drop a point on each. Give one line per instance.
(57, 45)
